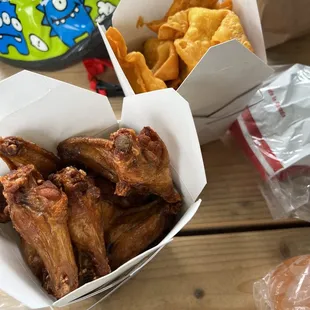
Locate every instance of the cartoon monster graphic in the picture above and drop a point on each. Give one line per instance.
(11, 30)
(68, 19)
(105, 9)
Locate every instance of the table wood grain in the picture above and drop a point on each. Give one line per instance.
(213, 272)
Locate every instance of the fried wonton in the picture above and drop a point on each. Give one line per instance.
(181, 5)
(140, 77)
(162, 58)
(197, 29)
(226, 4)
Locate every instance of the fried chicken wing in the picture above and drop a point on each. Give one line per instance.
(4, 210)
(132, 200)
(36, 265)
(39, 213)
(139, 162)
(33, 260)
(17, 152)
(93, 153)
(85, 217)
(142, 162)
(133, 230)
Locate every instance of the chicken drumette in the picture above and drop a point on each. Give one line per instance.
(139, 162)
(39, 213)
(17, 152)
(85, 223)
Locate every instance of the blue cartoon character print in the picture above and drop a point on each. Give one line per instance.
(11, 30)
(69, 19)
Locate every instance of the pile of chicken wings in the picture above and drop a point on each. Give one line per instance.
(87, 211)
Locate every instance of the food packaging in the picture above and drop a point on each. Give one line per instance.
(216, 86)
(47, 111)
(286, 287)
(283, 20)
(274, 133)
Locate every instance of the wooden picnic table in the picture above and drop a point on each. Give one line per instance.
(231, 242)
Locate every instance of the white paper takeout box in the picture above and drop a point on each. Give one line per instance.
(225, 73)
(47, 111)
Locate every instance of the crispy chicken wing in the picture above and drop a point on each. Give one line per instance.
(93, 153)
(39, 213)
(142, 162)
(139, 162)
(131, 231)
(132, 200)
(17, 152)
(4, 210)
(33, 260)
(85, 217)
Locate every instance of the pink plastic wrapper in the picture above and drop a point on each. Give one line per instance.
(287, 287)
(274, 132)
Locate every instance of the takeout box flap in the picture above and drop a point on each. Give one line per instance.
(47, 111)
(214, 126)
(225, 72)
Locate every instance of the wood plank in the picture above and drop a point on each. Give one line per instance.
(232, 197)
(294, 51)
(206, 272)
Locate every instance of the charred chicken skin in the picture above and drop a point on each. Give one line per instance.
(139, 162)
(85, 223)
(39, 213)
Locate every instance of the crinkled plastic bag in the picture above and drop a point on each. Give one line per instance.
(287, 287)
(274, 131)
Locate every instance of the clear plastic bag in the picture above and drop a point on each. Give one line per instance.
(289, 196)
(274, 131)
(287, 287)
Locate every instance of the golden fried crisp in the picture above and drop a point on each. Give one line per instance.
(181, 5)
(162, 58)
(226, 4)
(197, 29)
(231, 28)
(140, 77)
